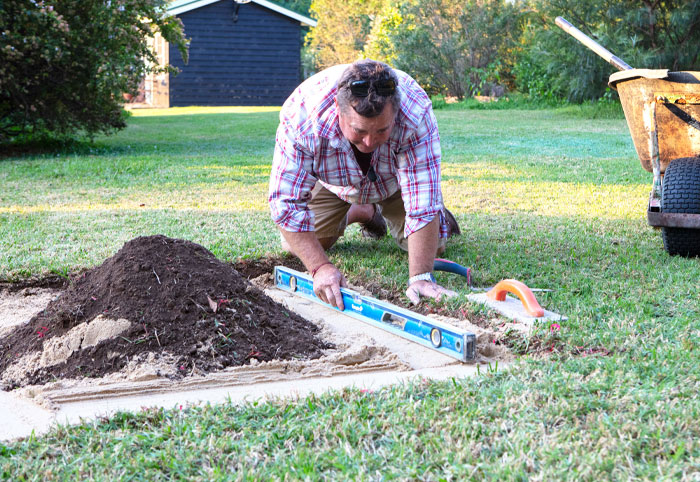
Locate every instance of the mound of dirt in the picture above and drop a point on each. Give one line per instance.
(157, 296)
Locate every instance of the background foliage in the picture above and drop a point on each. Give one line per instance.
(465, 47)
(300, 6)
(343, 29)
(65, 64)
(644, 33)
(453, 47)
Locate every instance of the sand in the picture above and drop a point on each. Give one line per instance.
(365, 357)
(153, 374)
(17, 307)
(360, 348)
(59, 349)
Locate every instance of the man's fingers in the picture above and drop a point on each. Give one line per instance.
(328, 295)
(343, 284)
(338, 297)
(327, 284)
(445, 292)
(331, 295)
(413, 295)
(436, 291)
(321, 295)
(425, 288)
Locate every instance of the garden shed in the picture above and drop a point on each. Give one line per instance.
(242, 52)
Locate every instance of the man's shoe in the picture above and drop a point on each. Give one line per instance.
(452, 226)
(376, 227)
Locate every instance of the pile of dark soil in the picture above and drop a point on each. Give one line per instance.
(180, 300)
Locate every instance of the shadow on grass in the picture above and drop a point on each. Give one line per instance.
(200, 134)
(46, 147)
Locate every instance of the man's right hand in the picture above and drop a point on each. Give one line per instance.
(327, 283)
(327, 279)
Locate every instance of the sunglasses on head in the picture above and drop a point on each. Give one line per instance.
(385, 88)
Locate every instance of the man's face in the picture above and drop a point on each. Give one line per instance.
(366, 133)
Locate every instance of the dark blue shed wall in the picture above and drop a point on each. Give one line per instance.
(253, 61)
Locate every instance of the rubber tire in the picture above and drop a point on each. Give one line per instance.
(681, 194)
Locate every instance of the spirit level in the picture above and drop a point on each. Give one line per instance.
(450, 340)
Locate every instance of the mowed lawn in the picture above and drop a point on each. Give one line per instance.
(550, 197)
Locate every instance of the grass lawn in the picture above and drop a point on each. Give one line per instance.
(550, 197)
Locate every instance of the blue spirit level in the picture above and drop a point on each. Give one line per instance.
(450, 340)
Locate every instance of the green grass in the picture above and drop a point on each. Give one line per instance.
(600, 109)
(552, 197)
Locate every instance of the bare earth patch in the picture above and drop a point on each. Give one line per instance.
(158, 295)
(68, 347)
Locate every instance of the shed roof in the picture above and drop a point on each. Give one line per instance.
(181, 6)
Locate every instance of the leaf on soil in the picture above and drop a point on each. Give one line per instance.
(213, 304)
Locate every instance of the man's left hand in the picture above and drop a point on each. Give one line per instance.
(428, 289)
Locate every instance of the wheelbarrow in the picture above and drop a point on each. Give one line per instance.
(662, 110)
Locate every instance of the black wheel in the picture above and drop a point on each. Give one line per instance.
(681, 194)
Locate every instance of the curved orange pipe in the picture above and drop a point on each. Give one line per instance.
(498, 293)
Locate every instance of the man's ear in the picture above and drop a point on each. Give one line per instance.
(337, 107)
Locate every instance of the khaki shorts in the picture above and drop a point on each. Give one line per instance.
(330, 215)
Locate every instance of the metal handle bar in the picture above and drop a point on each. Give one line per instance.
(613, 60)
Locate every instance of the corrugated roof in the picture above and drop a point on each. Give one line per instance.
(181, 6)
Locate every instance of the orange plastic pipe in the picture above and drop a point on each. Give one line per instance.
(498, 293)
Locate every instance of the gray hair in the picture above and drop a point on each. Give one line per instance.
(372, 105)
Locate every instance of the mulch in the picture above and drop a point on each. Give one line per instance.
(181, 300)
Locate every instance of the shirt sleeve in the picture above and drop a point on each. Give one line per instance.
(291, 182)
(419, 176)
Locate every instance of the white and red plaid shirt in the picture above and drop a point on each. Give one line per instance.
(310, 146)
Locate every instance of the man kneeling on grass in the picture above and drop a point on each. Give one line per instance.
(360, 144)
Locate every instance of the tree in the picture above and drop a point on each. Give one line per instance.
(651, 34)
(300, 6)
(65, 64)
(454, 47)
(342, 30)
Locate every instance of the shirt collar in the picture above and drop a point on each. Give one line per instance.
(329, 128)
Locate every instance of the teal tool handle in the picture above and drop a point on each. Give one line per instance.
(452, 267)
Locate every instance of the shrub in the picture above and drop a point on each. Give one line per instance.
(458, 48)
(65, 64)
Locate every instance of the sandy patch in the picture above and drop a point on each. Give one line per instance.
(360, 348)
(148, 377)
(18, 307)
(58, 349)
(355, 353)
(488, 349)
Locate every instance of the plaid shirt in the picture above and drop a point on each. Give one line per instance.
(310, 147)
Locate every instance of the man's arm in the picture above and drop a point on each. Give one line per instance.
(422, 248)
(326, 277)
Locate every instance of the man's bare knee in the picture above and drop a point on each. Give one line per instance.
(286, 247)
